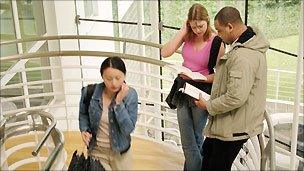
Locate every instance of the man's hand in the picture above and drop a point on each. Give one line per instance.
(201, 103)
(86, 137)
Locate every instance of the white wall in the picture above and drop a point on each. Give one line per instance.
(60, 20)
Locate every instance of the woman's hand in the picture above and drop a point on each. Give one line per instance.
(86, 137)
(209, 79)
(185, 28)
(170, 47)
(122, 93)
(184, 77)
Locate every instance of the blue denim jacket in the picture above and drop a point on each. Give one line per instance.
(122, 118)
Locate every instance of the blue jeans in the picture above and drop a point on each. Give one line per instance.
(191, 121)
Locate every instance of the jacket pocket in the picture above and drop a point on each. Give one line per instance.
(222, 125)
(236, 74)
(235, 84)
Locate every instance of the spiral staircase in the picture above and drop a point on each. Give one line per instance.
(44, 136)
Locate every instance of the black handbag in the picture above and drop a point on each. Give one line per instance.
(82, 163)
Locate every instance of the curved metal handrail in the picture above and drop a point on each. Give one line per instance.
(52, 157)
(148, 60)
(85, 53)
(272, 141)
(86, 37)
(47, 132)
(49, 129)
(269, 150)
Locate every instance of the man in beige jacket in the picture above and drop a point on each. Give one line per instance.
(238, 95)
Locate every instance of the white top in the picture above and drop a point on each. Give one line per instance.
(103, 137)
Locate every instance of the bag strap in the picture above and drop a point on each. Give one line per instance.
(90, 91)
(214, 50)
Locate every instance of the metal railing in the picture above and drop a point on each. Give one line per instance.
(163, 113)
(60, 53)
(268, 151)
(10, 127)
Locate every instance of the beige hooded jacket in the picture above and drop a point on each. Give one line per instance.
(238, 95)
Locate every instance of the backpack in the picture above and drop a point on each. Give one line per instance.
(88, 97)
(214, 50)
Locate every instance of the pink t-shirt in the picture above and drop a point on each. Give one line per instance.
(197, 61)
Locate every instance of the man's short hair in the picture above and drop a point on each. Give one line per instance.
(228, 15)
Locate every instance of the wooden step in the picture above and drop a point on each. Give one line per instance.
(147, 155)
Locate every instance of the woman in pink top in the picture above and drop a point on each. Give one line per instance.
(197, 39)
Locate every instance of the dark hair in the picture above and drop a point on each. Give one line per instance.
(198, 12)
(113, 62)
(228, 15)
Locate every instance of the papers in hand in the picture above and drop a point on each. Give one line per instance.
(193, 75)
(194, 92)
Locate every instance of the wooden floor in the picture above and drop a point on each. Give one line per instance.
(147, 155)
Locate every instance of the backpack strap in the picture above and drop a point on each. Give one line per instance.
(214, 50)
(90, 91)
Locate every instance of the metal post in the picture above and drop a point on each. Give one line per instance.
(277, 83)
(153, 5)
(141, 51)
(299, 81)
(20, 51)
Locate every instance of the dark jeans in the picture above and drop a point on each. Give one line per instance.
(219, 155)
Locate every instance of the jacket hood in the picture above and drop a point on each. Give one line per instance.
(257, 42)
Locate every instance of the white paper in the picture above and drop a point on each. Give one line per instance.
(194, 92)
(193, 75)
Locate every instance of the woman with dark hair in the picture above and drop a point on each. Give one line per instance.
(201, 50)
(109, 119)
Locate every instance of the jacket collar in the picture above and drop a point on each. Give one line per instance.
(97, 95)
(245, 36)
(98, 91)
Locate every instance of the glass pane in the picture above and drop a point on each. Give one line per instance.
(38, 89)
(148, 11)
(174, 13)
(96, 28)
(13, 92)
(40, 101)
(281, 81)
(31, 20)
(279, 20)
(39, 75)
(16, 79)
(4, 66)
(283, 135)
(9, 106)
(90, 8)
(7, 31)
(127, 11)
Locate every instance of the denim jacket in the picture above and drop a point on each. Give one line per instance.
(122, 118)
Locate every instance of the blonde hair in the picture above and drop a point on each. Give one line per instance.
(198, 12)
